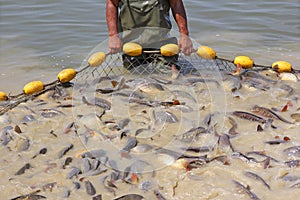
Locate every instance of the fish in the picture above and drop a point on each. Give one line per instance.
(74, 172)
(67, 161)
(202, 80)
(201, 149)
(158, 195)
(28, 118)
(145, 185)
(245, 190)
(117, 85)
(256, 75)
(275, 142)
(224, 141)
(145, 102)
(243, 157)
(150, 87)
(183, 108)
(76, 185)
(262, 154)
(174, 154)
(223, 159)
(249, 116)
(49, 186)
(23, 144)
(90, 189)
(232, 130)
(121, 124)
(86, 165)
(296, 185)
(292, 163)
(65, 150)
(290, 178)
(108, 188)
(130, 197)
(42, 151)
(23, 169)
(256, 83)
(289, 89)
(30, 196)
(236, 82)
(257, 177)
(164, 117)
(194, 164)
(97, 197)
(161, 80)
(180, 93)
(292, 151)
(97, 101)
(268, 113)
(192, 134)
(131, 143)
(6, 134)
(49, 113)
(207, 120)
(142, 148)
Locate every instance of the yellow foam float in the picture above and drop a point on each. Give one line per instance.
(169, 50)
(3, 96)
(132, 49)
(206, 52)
(96, 59)
(66, 75)
(244, 61)
(33, 87)
(282, 66)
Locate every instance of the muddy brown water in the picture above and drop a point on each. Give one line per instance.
(55, 125)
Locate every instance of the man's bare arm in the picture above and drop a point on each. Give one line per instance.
(179, 14)
(115, 43)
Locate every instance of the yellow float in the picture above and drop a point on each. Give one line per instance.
(3, 96)
(66, 75)
(282, 66)
(169, 50)
(33, 87)
(132, 49)
(206, 52)
(244, 61)
(96, 59)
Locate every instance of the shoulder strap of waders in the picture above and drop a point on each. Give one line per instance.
(130, 11)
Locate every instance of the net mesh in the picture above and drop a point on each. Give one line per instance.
(148, 63)
(116, 64)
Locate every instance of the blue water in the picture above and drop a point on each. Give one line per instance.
(40, 37)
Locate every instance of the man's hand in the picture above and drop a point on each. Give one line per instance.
(114, 44)
(185, 44)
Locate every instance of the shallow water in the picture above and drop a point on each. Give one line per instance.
(39, 38)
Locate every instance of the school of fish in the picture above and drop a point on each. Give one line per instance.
(196, 136)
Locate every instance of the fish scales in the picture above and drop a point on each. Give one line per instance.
(249, 116)
(268, 113)
(257, 177)
(246, 190)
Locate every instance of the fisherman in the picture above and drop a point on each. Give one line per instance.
(146, 23)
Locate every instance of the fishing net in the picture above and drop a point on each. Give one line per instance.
(149, 62)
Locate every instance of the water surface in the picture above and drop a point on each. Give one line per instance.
(39, 38)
